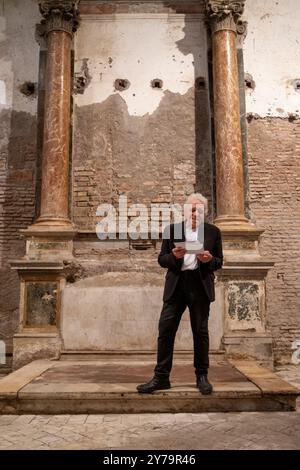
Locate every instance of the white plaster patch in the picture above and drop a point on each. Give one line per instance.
(5, 67)
(19, 62)
(140, 48)
(6, 83)
(2, 93)
(272, 56)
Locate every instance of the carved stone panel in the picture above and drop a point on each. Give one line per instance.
(41, 304)
(244, 306)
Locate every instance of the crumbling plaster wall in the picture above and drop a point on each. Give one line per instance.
(150, 144)
(272, 57)
(19, 55)
(148, 149)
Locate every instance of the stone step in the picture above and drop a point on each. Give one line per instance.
(109, 386)
(91, 355)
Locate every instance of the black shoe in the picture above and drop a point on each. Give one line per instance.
(203, 384)
(155, 383)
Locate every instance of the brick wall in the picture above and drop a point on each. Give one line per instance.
(274, 174)
(150, 159)
(18, 140)
(17, 202)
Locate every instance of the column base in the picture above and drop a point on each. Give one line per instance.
(50, 226)
(242, 278)
(29, 346)
(249, 346)
(240, 238)
(41, 284)
(42, 272)
(235, 223)
(49, 239)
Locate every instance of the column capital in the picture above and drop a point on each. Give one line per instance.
(225, 14)
(59, 15)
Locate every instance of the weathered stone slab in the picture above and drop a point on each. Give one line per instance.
(266, 380)
(108, 387)
(14, 382)
(120, 311)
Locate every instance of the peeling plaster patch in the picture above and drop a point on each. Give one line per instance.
(2, 93)
(82, 78)
(140, 47)
(251, 116)
(271, 50)
(291, 117)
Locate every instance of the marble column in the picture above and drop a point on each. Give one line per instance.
(49, 241)
(60, 20)
(241, 282)
(224, 17)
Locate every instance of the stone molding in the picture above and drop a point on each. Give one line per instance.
(225, 14)
(59, 15)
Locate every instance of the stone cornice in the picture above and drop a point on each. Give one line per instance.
(225, 14)
(59, 15)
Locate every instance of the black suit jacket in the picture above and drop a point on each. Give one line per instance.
(166, 259)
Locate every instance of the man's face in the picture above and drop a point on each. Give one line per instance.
(194, 212)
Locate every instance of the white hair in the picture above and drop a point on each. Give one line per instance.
(198, 197)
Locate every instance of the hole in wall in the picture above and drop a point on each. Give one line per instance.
(200, 83)
(121, 84)
(293, 117)
(156, 83)
(296, 84)
(28, 88)
(249, 82)
(79, 85)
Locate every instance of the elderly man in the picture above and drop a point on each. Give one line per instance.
(189, 283)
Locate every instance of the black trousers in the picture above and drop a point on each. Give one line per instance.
(189, 293)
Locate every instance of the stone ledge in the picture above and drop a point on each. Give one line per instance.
(51, 387)
(36, 265)
(14, 382)
(264, 379)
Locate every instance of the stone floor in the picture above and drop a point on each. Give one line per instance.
(157, 431)
(108, 385)
(259, 430)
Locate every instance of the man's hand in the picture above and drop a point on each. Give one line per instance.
(205, 257)
(179, 252)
